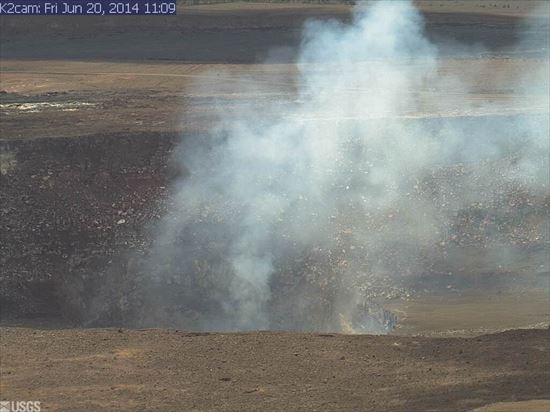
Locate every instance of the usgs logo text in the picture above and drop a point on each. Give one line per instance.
(19, 406)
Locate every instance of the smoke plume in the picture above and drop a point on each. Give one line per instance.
(301, 212)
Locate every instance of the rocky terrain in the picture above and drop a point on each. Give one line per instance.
(90, 129)
(71, 210)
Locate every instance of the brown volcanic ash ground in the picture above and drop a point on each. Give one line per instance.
(119, 111)
(109, 369)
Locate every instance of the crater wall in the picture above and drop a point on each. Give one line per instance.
(71, 210)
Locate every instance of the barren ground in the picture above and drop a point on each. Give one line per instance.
(60, 79)
(76, 369)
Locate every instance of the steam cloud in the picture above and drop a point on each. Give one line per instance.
(294, 215)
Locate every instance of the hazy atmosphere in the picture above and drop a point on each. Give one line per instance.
(298, 213)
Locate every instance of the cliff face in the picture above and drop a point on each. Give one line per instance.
(77, 221)
(73, 210)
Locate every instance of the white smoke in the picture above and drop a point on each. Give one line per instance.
(358, 180)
